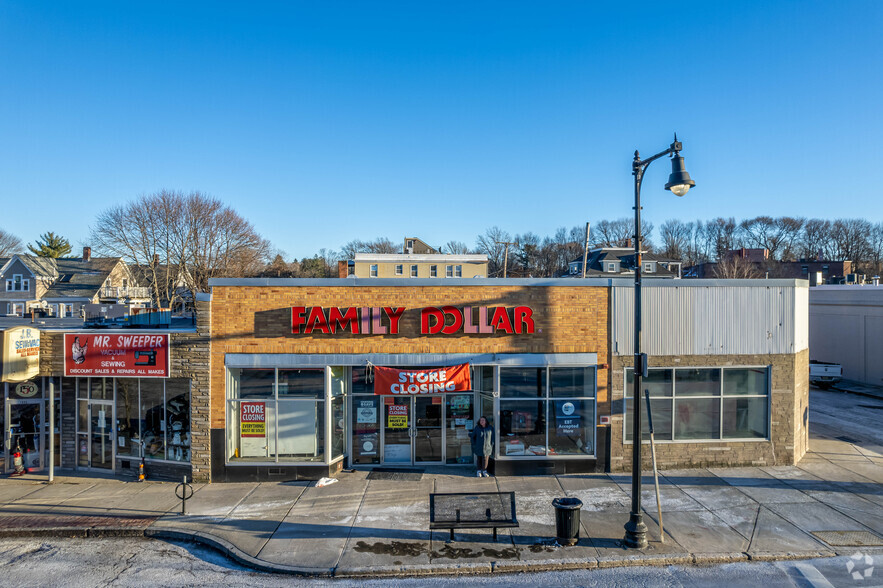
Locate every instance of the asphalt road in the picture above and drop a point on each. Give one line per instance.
(835, 413)
(146, 562)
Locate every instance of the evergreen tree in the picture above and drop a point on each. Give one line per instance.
(50, 245)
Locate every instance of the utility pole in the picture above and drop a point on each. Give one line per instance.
(506, 256)
(586, 251)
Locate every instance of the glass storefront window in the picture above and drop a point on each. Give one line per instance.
(571, 432)
(362, 380)
(522, 382)
(128, 427)
(366, 429)
(153, 424)
(698, 382)
(338, 428)
(745, 418)
(101, 388)
(522, 427)
(697, 418)
(458, 415)
(745, 382)
(178, 419)
(256, 383)
(704, 403)
(302, 383)
(266, 427)
(484, 378)
(487, 408)
(572, 382)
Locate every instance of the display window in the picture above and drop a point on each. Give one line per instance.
(703, 404)
(278, 415)
(548, 412)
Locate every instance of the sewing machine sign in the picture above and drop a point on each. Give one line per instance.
(134, 356)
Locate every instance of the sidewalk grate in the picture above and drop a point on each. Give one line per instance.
(849, 538)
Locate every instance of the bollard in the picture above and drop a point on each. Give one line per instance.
(184, 491)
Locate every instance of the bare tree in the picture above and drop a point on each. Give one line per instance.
(378, 245)
(489, 244)
(720, 236)
(455, 248)
(776, 235)
(736, 267)
(9, 244)
(180, 240)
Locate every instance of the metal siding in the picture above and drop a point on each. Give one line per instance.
(710, 320)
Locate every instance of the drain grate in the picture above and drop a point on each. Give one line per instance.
(849, 538)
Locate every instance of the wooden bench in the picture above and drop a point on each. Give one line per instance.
(472, 510)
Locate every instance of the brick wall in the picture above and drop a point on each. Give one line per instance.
(257, 319)
(788, 434)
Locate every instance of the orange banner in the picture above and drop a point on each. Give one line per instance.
(414, 382)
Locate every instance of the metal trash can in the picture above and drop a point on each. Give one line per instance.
(567, 520)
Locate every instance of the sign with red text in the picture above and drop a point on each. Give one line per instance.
(392, 381)
(252, 419)
(397, 416)
(129, 356)
(386, 320)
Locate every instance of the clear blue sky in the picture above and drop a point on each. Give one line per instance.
(323, 122)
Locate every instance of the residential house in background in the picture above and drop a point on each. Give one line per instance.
(757, 263)
(617, 261)
(417, 260)
(60, 287)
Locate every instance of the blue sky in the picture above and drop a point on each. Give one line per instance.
(323, 122)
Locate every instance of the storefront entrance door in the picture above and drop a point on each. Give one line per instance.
(100, 427)
(413, 430)
(24, 431)
(95, 436)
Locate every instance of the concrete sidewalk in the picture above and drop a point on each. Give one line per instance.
(361, 527)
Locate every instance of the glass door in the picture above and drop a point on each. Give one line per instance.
(101, 444)
(24, 420)
(397, 430)
(427, 427)
(459, 413)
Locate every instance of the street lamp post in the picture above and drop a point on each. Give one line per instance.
(679, 183)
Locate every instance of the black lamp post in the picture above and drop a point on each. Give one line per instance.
(679, 183)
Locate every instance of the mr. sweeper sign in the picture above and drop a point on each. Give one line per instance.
(134, 356)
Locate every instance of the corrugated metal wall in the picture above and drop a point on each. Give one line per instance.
(698, 319)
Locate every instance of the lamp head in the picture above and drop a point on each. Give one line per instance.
(679, 181)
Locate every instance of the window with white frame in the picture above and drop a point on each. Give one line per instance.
(399, 269)
(449, 271)
(648, 266)
(458, 271)
(17, 283)
(413, 271)
(611, 268)
(433, 271)
(703, 404)
(373, 270)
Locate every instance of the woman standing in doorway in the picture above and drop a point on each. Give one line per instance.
(482, 437)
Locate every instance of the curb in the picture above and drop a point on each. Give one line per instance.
(421, 570)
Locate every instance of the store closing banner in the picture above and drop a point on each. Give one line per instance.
(392, 381)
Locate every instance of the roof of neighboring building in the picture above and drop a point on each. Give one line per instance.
(626, 257)
(425, 257)
(78, 278)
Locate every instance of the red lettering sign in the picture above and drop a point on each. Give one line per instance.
(407, 382)
(130, 356)
(447, 320)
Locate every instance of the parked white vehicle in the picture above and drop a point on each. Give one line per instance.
(824, 374)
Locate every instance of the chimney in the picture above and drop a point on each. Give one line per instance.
(628, 242)
(87, 253)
